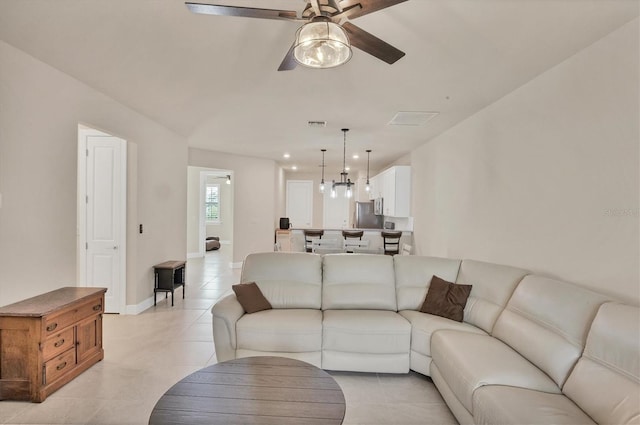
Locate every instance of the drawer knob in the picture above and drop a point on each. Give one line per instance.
(61, 366)
(97, 307)
(59, 343)
(52, 327)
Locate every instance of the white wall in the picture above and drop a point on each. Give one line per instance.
(545, 178)
(193, 209)
(40, 109)
(255, 198)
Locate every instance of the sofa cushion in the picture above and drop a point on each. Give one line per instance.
(493, 285)
(358, 281)
(283, 330)
(556, 315)
(250, 297)
(501, 405)
(366, 331)
(413, 276)
(468, 361)
(366, 341)
(423, 326)
(606, 381)
(446, 299)
(287, 280)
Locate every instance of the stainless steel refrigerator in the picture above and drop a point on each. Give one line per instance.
(365, 218)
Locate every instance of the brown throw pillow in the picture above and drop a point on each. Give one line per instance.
(250, 297)
(446, 299)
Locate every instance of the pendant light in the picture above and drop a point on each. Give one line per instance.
(322, 180)
(344, 176)
(367, 188)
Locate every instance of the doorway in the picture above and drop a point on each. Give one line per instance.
(102, 207)
(210, 194)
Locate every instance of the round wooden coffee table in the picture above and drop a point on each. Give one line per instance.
(253, 390)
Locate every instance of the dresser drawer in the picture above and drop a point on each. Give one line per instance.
(58, 343)
(59, 365)
(55, 323)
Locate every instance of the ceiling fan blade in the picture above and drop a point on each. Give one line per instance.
(246, 12)
(316, 7)
(367, 6)
(371, 44)
(288, 63)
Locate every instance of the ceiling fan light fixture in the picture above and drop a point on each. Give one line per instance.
(321, 44)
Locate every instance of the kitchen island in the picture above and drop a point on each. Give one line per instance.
(332, 241)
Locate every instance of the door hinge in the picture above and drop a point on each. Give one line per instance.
(86, 245)
(87, 152)
(87, 199)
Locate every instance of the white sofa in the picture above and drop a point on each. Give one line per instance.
(531, 350)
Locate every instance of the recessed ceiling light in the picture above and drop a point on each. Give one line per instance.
(317, 123)
(286, 155)
(356, 156)
(294, 168)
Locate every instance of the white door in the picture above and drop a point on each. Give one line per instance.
(106, 218)
(300, 203)
(336, 210)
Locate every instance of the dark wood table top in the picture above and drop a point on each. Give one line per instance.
(170, 265)
(253, 390)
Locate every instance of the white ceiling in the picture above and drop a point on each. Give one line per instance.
(213, 79)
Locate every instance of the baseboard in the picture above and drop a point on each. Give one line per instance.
(194, 255)
(134, 309)
(236, 265)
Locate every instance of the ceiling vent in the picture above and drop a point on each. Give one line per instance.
(316, 124)
(415, 119)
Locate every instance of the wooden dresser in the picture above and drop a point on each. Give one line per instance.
(48, 340)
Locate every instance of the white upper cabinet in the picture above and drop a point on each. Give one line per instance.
(396, 191)
(375, 183)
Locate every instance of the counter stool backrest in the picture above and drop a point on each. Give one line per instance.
(351, 234)
(309, 236)
(391, 242)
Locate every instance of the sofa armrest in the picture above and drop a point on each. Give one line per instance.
(225, 313)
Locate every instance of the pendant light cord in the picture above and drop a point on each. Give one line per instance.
(343, 177)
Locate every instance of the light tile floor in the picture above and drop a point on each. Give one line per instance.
(148, 353)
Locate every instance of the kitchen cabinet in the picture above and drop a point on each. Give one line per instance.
(376, 184)
(48, 340)
(396, 191)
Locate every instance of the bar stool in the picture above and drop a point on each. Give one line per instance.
(309, 236)
(351, 234)
(391, 242)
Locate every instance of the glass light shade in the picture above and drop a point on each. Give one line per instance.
(349, 192)
(321, 44)
(333, 193)
(322, 186)
(367, 188)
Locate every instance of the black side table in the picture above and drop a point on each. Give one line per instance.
(169, 276)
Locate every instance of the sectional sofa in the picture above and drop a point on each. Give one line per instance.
(530, 349)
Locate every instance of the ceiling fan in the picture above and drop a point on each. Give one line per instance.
(325, 40)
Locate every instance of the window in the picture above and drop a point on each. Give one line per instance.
(212, 203)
